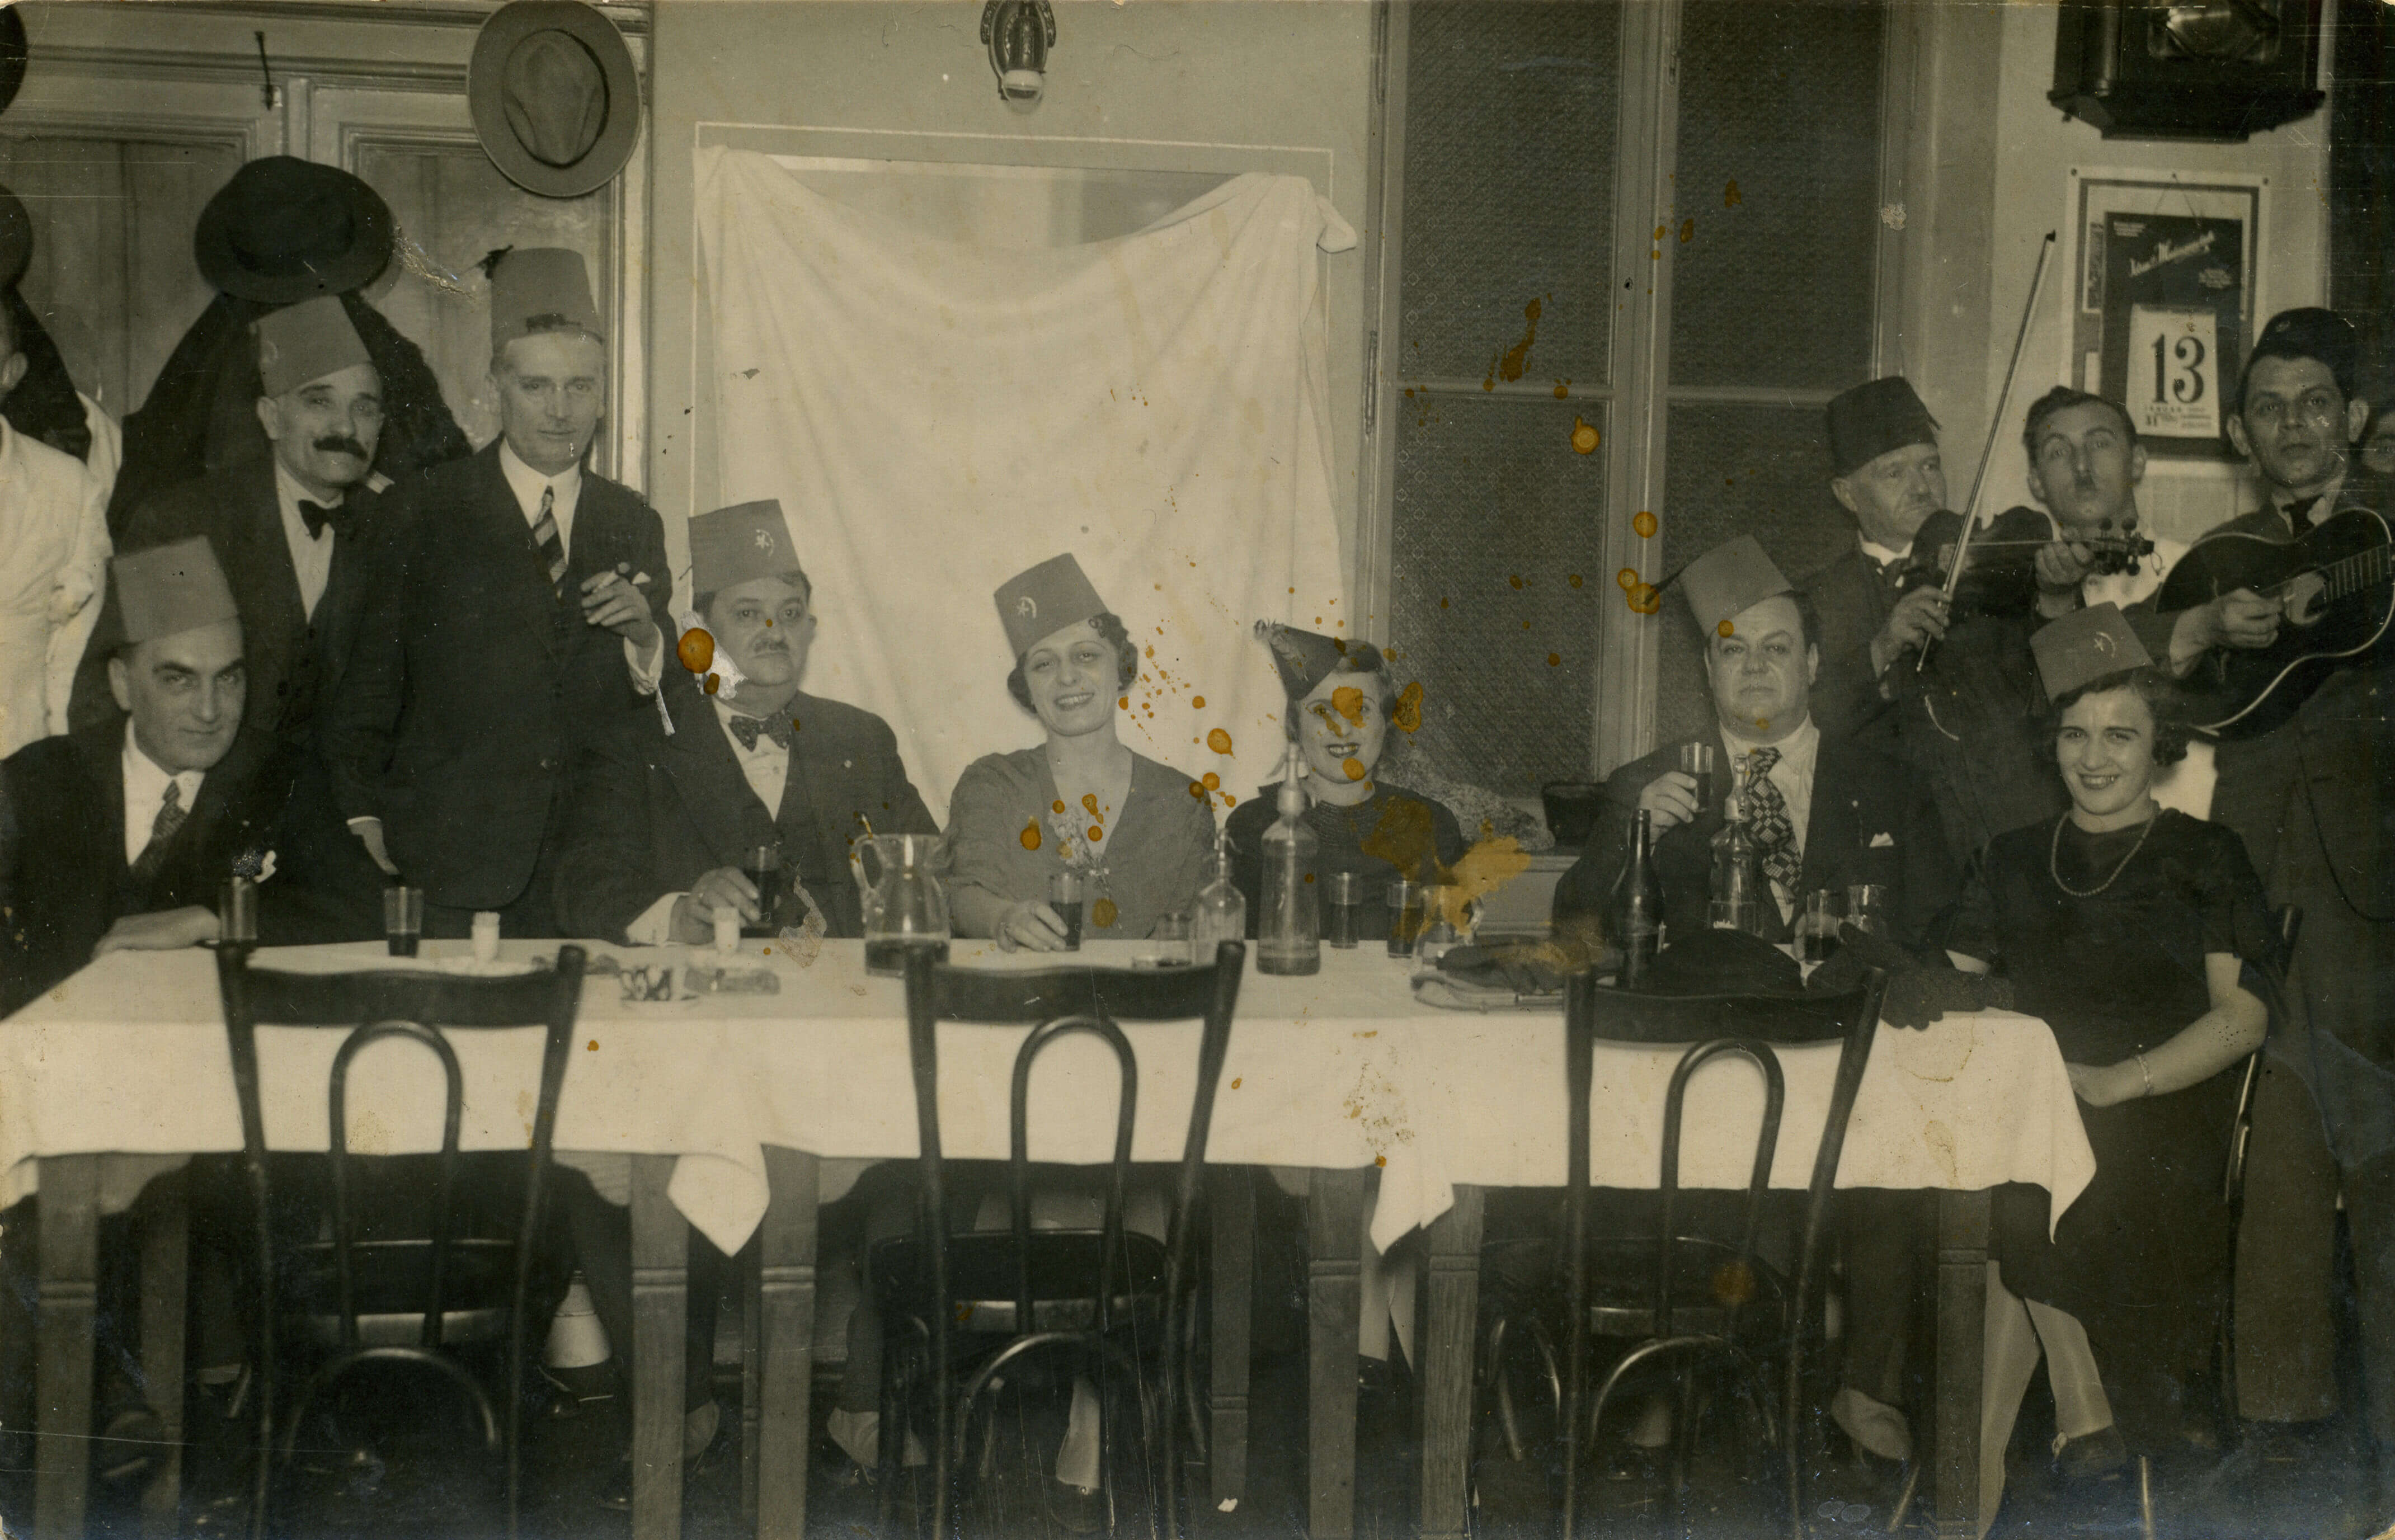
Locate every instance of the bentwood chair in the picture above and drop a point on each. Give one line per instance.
(397, 1302)
(1696, 1304)
(1111, 1304)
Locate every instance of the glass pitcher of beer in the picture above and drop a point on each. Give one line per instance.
(904, 905)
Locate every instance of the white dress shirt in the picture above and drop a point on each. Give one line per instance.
(1884, 553)
(145, 792)
(528, 484)
(767, 768)
(1800, 752)
(54, 552)
(311, 555)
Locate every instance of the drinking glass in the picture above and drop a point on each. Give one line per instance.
(1697, 760)
(1817, 928)
(1171, 940)
(403, 918)
(1408, 902)
(1867, 907)
(1065, 892)
(1346, 909)
(237, 912)
(761, 864)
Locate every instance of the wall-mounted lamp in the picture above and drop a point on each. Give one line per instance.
(1018, 34)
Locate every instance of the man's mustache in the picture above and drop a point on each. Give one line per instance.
(343, 443)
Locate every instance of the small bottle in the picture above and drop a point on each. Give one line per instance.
(1220, 911)
(486, 936)
(727, 930)
(1738, 893)
(1288, 934)
(1634, 915)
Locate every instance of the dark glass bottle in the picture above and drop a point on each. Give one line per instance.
(1635, 913)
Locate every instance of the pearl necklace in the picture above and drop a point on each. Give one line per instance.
(2053, 857)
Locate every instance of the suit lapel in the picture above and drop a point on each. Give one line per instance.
(531, 597)
(100, 750)
(1829, 827)
(707, 776)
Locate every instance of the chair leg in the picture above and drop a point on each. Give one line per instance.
(892, 1452)
(2144, 1498)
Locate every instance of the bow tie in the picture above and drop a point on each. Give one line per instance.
(748, 728)
(316, 516)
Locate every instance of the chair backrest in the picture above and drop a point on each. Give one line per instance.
(1058, 1002)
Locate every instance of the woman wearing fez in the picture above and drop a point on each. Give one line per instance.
(2134, 932)
(1081, 800)
(1339, 700)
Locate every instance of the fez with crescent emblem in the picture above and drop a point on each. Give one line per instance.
(167, 589)
(306, 342)
(1044, 600)
(738, 543)
(1728, 580)
(2084, 645)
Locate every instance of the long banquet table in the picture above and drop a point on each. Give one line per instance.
(729, 1108)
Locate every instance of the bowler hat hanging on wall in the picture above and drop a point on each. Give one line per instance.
(555, 96)
(283, 230)
(1019, 33)
(12, 54)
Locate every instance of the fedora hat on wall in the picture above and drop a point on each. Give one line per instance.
(284, 230)
(555, 97)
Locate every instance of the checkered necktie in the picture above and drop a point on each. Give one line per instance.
(1767, 821)
(552, 545)
(171, 813)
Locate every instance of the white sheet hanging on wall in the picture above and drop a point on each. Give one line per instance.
(935, 417)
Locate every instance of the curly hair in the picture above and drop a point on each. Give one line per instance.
(2162, 696)
(1109, 627)
(1365, 661)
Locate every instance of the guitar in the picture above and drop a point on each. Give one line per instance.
(2337, 583)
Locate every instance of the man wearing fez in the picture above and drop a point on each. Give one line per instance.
(123, 834)
(662, 824)
(295, 530)
(1966, 724)
(1826, 813)
(2310, 799)
(522, 607)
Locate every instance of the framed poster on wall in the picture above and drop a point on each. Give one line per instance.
(2165, 271)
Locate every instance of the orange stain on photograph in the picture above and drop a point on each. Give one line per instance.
(1726, 628)
(1057, 806)
(1563, 389)
(1628, 578)
(1645, 524)
(1102, 912)
(1509, 365)
(1348, 702)
(1097, 832)
(1687, 231)
(1584, 437)
(1212, 782)
(1555, 660)
(1515, 579)
(1408, 715)
(1354, 768)
(1219, 741)
(1197, 703)
(714, 682)
(1730, 194)
(1090, 802)
(1031, 835)
(1646, 598)
(1573, 579)
(696, 649)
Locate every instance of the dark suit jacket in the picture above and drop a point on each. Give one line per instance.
(64, 865)
(473, 685)
(1869, 822)
(295, 660)
(652, 812)
(1852, 601)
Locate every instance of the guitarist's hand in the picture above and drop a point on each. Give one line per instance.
(2240, 619)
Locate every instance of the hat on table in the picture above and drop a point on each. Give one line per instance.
(1731, 578)
(284, 230)
(1874, 417)
(737, 543)
(555, 96)
(2310, 331)
(1044, 600)
(306, 342)
(170, 588)
(536, 289)
(2084, 645)
(1306, 658)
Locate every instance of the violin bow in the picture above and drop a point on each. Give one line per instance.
(1995, 430)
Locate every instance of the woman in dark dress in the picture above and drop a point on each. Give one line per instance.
(1340, 702)
(2132, 931)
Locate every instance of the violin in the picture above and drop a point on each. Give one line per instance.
(1999, 574)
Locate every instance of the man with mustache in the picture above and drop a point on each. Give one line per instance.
(2310, 799)
(293, 530)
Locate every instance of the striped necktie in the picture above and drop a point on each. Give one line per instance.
(552, 544)
(171, 813)
(1774, 834)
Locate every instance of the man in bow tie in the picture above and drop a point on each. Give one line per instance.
(293, 529)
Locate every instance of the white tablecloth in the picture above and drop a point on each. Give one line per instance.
(1338, 1070)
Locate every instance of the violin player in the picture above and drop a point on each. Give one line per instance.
(2309, 798)
(1941, 681)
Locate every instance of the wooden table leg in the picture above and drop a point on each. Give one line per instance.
(660, 1305)
(67, 1296)
(166, 1281)
(1451, 1327)
(1334, 1224)
(786, 1313)
(1231, 1198)
(1963, 1222)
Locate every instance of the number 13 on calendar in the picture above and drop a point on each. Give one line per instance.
(2174, 384)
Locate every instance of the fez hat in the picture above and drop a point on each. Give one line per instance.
(1306, 658)
(12, 54)
(16, 233)
(538, 289)
(1044, 600)
(555, 96)
(306, 342)
(739, 544)
(172, 588)
(1728, 580)
(2084, 645)
(284, 230)
(2310, 332)
(1874, 417)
